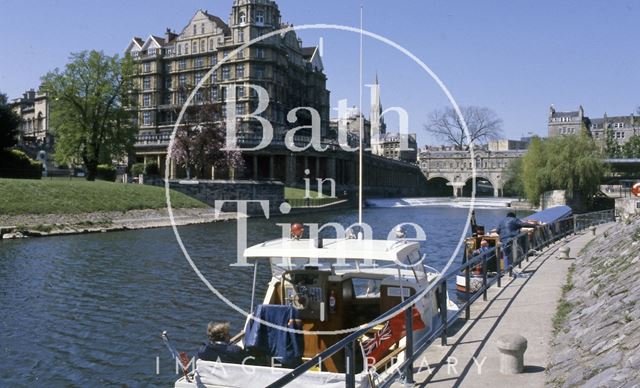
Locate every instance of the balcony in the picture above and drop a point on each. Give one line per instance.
(157, 139)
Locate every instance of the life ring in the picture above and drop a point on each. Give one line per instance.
(635, 189)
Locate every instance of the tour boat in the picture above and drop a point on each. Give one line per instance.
(472, 245)
(327, 287)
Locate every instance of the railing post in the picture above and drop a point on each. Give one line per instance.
(408, 373)
(350, 365)
(512, 259)
(498, 264)
(575, 224)
(484, 277)
(443, 312)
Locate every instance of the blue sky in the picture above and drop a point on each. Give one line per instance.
(514, 57)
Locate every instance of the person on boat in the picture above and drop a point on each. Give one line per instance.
(509, 228)
(219, 348)
(484, 246)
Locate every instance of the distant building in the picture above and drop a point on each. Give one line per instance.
(572, 122)
(389, 146)
(508, 145)
(170, 67)
(33, 109)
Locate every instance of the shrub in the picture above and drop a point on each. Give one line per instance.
(152, 169)
(16, 164)
(137, 169)
(106, 172)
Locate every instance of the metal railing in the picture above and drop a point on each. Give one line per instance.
(521, 246)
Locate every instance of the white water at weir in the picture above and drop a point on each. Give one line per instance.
(479, 203)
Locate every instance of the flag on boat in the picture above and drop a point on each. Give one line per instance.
(393, 330)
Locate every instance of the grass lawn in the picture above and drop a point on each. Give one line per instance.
(294, 193)
(27, 196)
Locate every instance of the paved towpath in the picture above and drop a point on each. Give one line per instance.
(524, 305)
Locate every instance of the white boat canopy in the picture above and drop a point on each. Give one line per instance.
(384, 250)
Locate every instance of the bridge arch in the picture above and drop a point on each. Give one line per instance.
(438, 186)
(485, 187)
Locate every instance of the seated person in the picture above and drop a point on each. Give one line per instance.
(218, 348)
(484, 246)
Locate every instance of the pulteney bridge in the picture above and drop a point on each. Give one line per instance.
(445, 168)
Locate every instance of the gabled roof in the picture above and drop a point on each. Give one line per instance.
(312, 55)
(153, 42)
(219, 22)
(135, 45)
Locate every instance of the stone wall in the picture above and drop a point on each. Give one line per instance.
(209, 191)
(558, 198)
(627, 207)
(598, 343)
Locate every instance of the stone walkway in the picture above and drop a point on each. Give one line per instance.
(471, 359)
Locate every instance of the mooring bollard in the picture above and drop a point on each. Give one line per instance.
(564, 253)
(511, 348)
(593, 230)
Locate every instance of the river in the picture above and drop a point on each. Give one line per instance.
(88, 310)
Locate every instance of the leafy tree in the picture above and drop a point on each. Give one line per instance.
(9, 123)
(611, 147)
(514, 185)
(571, 163)
(631, 149)
(90, 109)
(199, 142)
(483, 125)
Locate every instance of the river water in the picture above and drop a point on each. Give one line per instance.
(88, 310)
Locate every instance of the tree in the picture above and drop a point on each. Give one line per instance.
(631, 149)
(90, 109)
(483, 125)
(9, 123)
(611, 147)
(199, 142)
(572, 163)
(514, 186)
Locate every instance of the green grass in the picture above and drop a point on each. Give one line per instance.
(58, 196)
(294, 193)
(564, 307)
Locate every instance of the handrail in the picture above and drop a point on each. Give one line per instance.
(529, 241)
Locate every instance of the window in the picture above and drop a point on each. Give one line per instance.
(146, 83)
(260, 71)
(182, 64)
(182, 97)
(146, 67)
(242, 18)
(186, 48)
(214, 93)
(152, 51)
(214, 76)
(179, 49)
(202, 46)
(214, 60)
(198, 62)
(195, 29)
(182, 80)
(240, 91)
(259, 17)
(225, 73)
(195, 48)
(146, 100)
(167, 67)
(260, 53)
(240, 36)
(168, 84)
(198, 96)
(211, 44)
(240, 71)
(240, 109)
(198, 78)
(202, 28)
(146, 118)
(240, 54)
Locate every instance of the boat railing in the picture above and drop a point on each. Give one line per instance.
(524, 245)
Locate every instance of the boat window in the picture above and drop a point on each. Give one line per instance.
(366, 288)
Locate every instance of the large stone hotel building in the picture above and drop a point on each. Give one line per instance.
(169, 67)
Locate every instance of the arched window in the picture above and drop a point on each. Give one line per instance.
(186, 48)
(195, 48)
(202, 46)
(202, 28)
(242, 18)
(210, 44)
(195, 29)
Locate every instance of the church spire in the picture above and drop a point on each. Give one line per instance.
(376, 109)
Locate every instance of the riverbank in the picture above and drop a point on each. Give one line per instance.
(598, 321)
(42, 225)
(523, 305)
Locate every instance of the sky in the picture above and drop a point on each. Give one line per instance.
(515, 57)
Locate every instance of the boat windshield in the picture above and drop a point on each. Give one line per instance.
(410, 266)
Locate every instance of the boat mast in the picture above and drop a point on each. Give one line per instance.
(361, 129)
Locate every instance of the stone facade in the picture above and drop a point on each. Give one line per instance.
(572, 122)
(455, 166)
(389, 146)
(170, 67)
(33, 109)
